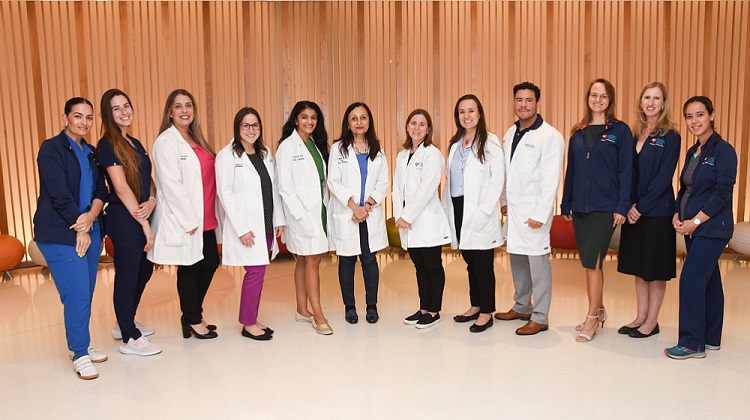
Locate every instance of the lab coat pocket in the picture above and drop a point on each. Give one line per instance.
(343, 226)
(430, 224)
(174, 235)
(309, 225)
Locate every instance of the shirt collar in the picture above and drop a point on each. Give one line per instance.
(534, 126)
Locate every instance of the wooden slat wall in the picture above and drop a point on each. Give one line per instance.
(394, 55)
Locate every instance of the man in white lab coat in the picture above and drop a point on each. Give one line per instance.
(533, 160)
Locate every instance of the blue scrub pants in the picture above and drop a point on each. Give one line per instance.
(75, 278)
(701, 294)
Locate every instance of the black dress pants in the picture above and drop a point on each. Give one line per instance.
(430, 276)
(480, 264)
(193, 280)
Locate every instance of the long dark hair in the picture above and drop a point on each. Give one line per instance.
(588, 116)
(319, 135)
(408, 143)
(237, 147)
(706, 102)
(129, 159)
(195, 126)
(480, 140)
(347, 137)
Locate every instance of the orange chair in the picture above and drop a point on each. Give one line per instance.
(11, 254)
(562, 235)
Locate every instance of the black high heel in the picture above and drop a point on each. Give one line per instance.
(188, 330)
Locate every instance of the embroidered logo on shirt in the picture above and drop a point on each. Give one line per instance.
(609, 137)
(710, 161)
(660, 142)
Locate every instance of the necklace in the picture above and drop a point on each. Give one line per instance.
(359, 152)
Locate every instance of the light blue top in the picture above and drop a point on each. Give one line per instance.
(362, 159)
(458, 163)
(86, 185)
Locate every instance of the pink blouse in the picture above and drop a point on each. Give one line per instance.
(208, 174)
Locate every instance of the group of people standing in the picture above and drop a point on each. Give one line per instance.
(317, 199)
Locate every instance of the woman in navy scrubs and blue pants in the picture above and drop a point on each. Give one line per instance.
(71, 196)
(130, 202)
(704, 215)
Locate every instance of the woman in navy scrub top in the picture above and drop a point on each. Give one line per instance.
(130, 203)
(66, 226)
(704, 216)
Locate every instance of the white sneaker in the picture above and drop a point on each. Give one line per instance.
(140, 347)
(95, 355)
(84, 368)
(144, 329)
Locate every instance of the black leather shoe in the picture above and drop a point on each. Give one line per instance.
(263, 337)
(268, 330)
(637, 334)
(463, 318)
(372, 316)
(211, 327)
(479, 328)
(187, 331)
(625, 330)
(351, 316)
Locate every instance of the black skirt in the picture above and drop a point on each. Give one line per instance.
(593, 233)
(648, 249)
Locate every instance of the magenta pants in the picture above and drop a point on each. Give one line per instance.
(252, 285)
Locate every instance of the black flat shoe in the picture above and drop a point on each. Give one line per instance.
(187, 331)
(479, 328)
(263, 337)
(625, 330)
(463, 318)
(637, 334)
(268, 330)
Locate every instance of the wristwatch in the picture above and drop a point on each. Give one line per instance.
(696, 221)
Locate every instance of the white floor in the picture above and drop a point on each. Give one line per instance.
(381, 371)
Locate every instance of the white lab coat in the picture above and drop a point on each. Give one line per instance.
(179, 194)
(532, 181)
(416, 182)
(345, 182)
(299, 187)
(483, 186)
(239, 191)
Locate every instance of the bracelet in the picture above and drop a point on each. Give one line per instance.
(370, 203)
(153, 198)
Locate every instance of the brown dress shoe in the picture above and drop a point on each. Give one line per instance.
(532, 328)
(511, 315)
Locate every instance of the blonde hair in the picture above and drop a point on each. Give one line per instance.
(664, 123)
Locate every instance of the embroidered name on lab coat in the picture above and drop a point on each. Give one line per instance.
(342, 160)
(297, 158)
(183, 157)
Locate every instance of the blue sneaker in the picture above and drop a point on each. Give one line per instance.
(351, 316)
(680, 352)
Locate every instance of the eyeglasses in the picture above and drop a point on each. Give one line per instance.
(595, 96)
(247, 127)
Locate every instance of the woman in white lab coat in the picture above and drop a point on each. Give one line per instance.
(475, 176)
(421, 219)
(253, 217)
(185, 222)
(301, 157)
(358, 181)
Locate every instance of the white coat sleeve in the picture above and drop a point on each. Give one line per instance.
(166, 155)
(225, 173)
(287, 191)
(335, 182)
(551, 171)
(381, 182)
(431, 173)
(495, 160)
